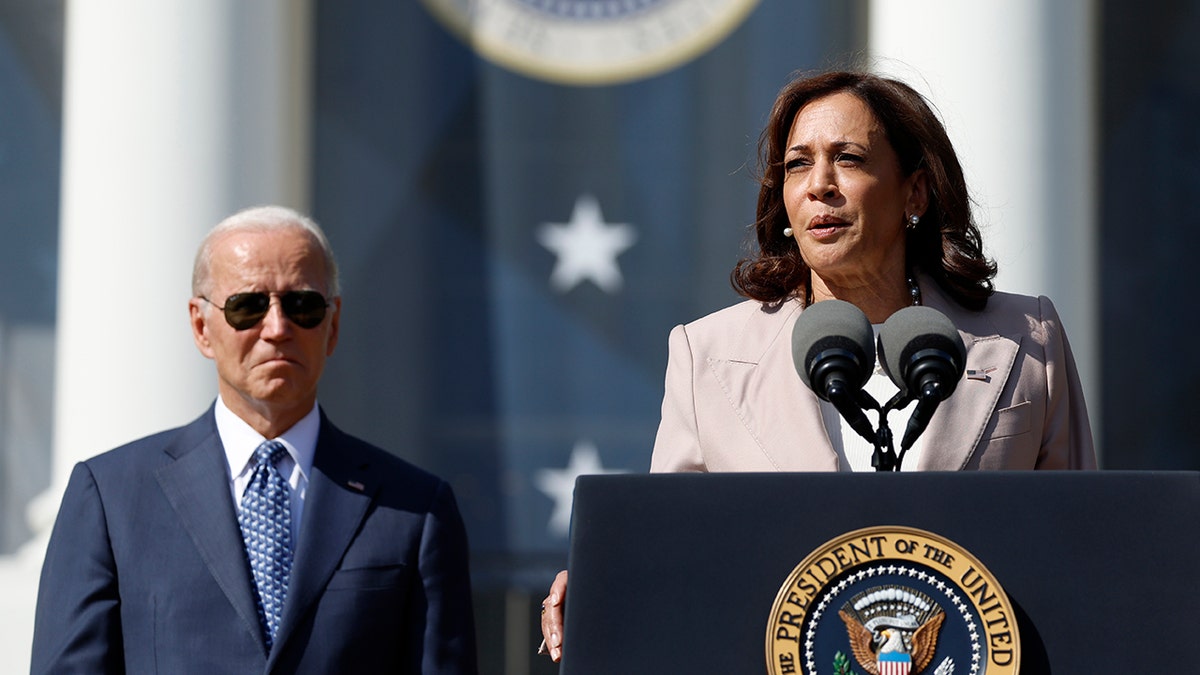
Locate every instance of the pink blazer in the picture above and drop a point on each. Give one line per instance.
(734, 402)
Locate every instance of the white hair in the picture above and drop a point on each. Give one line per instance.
(262, 219)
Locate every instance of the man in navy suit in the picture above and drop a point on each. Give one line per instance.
(147, 569)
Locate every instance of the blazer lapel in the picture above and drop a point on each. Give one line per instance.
(197, 487)
(340, 489)
(960, 420)
(756, 374)
(759, 379)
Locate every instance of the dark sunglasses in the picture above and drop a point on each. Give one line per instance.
(306, 309)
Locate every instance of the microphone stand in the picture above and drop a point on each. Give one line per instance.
(885, 457)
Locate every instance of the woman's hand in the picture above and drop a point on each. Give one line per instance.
(552, 618)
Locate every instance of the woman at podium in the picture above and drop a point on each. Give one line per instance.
(862, 199)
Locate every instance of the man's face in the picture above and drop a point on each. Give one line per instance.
(269, 370)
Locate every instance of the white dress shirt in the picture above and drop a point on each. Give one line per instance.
(240, 441)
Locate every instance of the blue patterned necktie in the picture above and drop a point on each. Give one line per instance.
(266, 523)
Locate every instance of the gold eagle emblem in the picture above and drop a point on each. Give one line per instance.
(892, 619)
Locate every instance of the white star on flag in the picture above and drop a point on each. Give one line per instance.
(586, 247)
(559, 484)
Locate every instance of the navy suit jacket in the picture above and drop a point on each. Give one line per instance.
(146, 571)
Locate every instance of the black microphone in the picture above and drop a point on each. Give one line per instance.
(921, 350)
(833, 348)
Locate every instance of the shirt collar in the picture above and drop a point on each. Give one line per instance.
(240, 439)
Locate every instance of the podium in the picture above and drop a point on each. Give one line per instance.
(678, 573)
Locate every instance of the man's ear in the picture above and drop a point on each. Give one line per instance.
(334, 323)
(199, 321)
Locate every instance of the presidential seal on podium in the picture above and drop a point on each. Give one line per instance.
(892, 601)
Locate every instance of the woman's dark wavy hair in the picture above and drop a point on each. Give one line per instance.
(946, 244)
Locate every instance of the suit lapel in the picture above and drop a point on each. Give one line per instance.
(340, 489)
(196, 485)
(760, 382)
(960, 421)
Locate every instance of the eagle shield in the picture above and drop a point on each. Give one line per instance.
(893, 630)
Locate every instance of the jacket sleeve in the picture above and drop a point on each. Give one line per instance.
(77, 625)
(448, 633)
(1067, 434)
(677, 445)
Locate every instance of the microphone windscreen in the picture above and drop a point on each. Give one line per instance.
(832, 324)
(914, 329)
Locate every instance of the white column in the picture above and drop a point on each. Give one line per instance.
(175, 115)
(1014, 81)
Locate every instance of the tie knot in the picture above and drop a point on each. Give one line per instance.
(269, 452)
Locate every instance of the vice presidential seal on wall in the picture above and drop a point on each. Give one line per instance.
(892, 601)
(590, 41)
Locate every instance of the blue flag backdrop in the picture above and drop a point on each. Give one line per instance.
(515, 248)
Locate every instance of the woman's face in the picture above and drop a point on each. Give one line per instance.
(845, 194)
